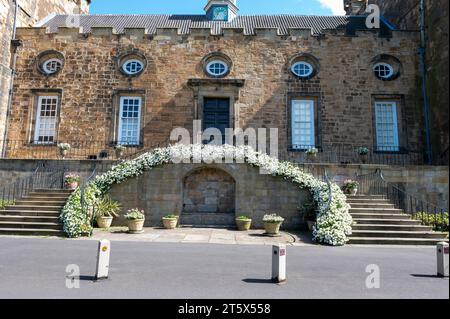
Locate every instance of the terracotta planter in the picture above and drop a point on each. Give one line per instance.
(311, 157)
(170, 223)
(272, 228)
(136, 226)
(353, 191)
(72, 185)
(310, 224)
(104, 221)
(243, 224)
(119, 154)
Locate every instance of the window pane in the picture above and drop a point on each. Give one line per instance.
(129, 121)
(45, 130)
(386, 126)
(303, 135)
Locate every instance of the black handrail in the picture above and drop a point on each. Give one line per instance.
(427, 213)
(330, 190)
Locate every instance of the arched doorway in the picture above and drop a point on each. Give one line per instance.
(209, 196)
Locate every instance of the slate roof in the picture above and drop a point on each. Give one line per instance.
(185, 22)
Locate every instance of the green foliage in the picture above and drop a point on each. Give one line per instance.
(243, 217)
(312, 151)
(5, 202)
(350, 185)
(135, 214)
(362, 151)
(107, 207)
(172, 216)
(439, 221)
(72, 178)
(273, 218)
(64, 146)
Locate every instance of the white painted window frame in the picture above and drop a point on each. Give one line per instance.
(311, 69)
(312, 141)
(47, 62)
(132, 61)
(225, 65)
(122, 98)
(396, 142)
(390, 67)
(38, 118)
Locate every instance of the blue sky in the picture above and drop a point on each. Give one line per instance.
(308, 7)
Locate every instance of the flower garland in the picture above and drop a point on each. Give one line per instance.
(333, 224)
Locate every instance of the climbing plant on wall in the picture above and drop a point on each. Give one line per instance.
(333, 224)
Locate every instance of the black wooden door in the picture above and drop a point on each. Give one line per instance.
(216, 114)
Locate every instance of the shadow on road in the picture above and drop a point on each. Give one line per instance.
(258, 281)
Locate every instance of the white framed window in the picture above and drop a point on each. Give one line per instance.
(217, 68)
(132, 67)
(383, 70)
(52, 66)
(302, 69)
(46, 120)
(130, 120)
(303, 124)
(387, 126)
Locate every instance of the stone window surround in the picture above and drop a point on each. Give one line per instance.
(216, 88)
(117, 94)
(36, 93)
(317, 112)
(402, 132)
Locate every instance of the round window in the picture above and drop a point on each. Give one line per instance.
(302, 69)
(133, 67)
(383, 70)
(217, 68)
(52, 66)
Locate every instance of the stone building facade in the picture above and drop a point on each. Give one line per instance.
(312, 78)
(27, 14)
(405, 14)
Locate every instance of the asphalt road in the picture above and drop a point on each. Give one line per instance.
(36, 268)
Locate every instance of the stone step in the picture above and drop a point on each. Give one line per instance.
(357, 197)
(45, 198)
(34, 219)
(29, 213)
(376, 210)
(372, 206)
(37, 208)
(200, 219)
(393, 241)
(47, 195)
(392, 227)
(381, 221)
(52, 190)
(31, 202)
(30, 225)
(368, 201)
(29, 232)
(380, 216)
(396, 234)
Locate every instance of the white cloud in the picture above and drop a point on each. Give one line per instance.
(336, 6)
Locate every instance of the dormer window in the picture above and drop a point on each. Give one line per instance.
(221, 10)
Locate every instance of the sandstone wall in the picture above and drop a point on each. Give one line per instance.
(344, 87)
(405, 14)
(160, 191)
(29, 13)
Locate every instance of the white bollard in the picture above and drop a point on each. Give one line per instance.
(442, 259)
(279, 263)
(104, 249)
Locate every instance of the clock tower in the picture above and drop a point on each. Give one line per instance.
(221, 10)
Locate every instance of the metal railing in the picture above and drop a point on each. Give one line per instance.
(427, 213)
(347, 153)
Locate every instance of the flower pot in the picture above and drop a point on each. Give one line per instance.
(63, 153)
(243, 224)
(364, 158)
(72, 185)
(119, 154)
(170, 223)
(310, 224)
(272, 228)
(136, 226)
(104, 221)
(353, 191)
(311, 157)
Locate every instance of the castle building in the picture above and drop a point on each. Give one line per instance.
(325, 82)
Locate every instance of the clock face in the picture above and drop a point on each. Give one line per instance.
(220, 13)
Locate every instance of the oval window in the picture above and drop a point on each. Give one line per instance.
(302, 69)
(383, 70)
(52, 66)
(133, 67)
(217, 68)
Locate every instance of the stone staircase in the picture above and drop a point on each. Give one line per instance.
(35, 214)
(378, 222)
